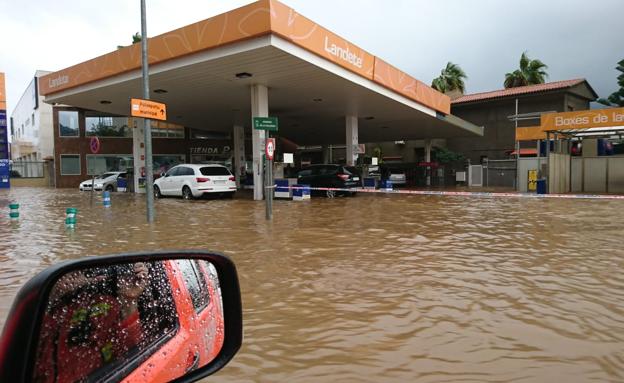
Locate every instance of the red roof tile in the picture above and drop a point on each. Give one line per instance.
(517, 91)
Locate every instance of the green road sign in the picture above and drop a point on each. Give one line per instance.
(265, 123)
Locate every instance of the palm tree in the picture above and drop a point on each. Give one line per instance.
(451, 78)
(531, 72)
(616, 98)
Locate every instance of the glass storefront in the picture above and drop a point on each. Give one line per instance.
(162, 163)
(98, 164)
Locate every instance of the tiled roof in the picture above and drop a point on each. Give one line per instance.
(517, 91)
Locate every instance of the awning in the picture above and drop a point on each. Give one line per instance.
(525, 152)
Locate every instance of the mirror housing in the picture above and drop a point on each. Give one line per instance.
(20, 336)
(163, 174)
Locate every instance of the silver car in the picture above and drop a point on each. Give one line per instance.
(397, 177)
(106, 181)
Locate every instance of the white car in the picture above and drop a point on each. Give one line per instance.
(397, 177)
(192, 181)
(106, 181)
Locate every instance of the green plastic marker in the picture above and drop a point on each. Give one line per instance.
(14, 210)
(70, 217)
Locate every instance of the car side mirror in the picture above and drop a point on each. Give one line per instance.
(160, 316)
(163, 174)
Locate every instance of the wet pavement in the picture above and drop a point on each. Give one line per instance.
(373, 288)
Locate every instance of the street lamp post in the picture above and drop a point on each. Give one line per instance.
(149, 173)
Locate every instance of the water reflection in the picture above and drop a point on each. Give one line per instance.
(377, 288)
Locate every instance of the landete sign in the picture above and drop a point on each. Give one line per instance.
(148, 109)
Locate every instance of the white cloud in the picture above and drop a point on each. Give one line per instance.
(575, 38)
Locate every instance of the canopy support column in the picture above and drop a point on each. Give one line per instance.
(351, 125)
(259, 108)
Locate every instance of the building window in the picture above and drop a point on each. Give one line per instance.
(162, 129)
(107, 126)
(68, 123)
(98, 164)
(33, 120)
(70, 164)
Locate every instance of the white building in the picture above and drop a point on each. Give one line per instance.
(32, 134)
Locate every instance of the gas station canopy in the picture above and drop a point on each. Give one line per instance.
(203, 73)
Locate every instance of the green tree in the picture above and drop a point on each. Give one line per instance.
(377, 153)
(616, 98)
(531, 72)
(136, 38)
(446, 156)
(451, 78)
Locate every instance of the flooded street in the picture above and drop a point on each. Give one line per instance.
(378, 287)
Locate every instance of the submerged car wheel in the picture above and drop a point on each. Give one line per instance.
(157, 193)
(330, 193)
(186, 193)
(110, 188)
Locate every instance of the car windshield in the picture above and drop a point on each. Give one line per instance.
(106, 175)
(214, 171)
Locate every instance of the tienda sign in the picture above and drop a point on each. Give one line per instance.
(583, 119)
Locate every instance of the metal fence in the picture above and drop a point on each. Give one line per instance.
(27, 169)
(500, 173)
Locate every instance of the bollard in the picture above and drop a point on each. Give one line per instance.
(70, 218)
(106, 198)
(14, 210)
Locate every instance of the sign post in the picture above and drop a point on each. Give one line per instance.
(155, 113)
(270, 125)
(94, 145)
(269, 155)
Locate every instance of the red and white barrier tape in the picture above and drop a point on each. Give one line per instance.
(459, 193)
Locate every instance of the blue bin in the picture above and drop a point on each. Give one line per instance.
(369, 182)
(282, 189)
(301, 192)
(122, 184)
(541, 186)
(386, 184)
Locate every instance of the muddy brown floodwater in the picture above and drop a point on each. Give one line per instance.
(376, 288)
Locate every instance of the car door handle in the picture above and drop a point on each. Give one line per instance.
(194, 363)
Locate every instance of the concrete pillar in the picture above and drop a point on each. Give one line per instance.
(326, 155)
(138, 152)
(428, 159)
(259, 108)
(238, 134)
(351, 125)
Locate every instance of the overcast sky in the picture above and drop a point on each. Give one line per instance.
(575, 38)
